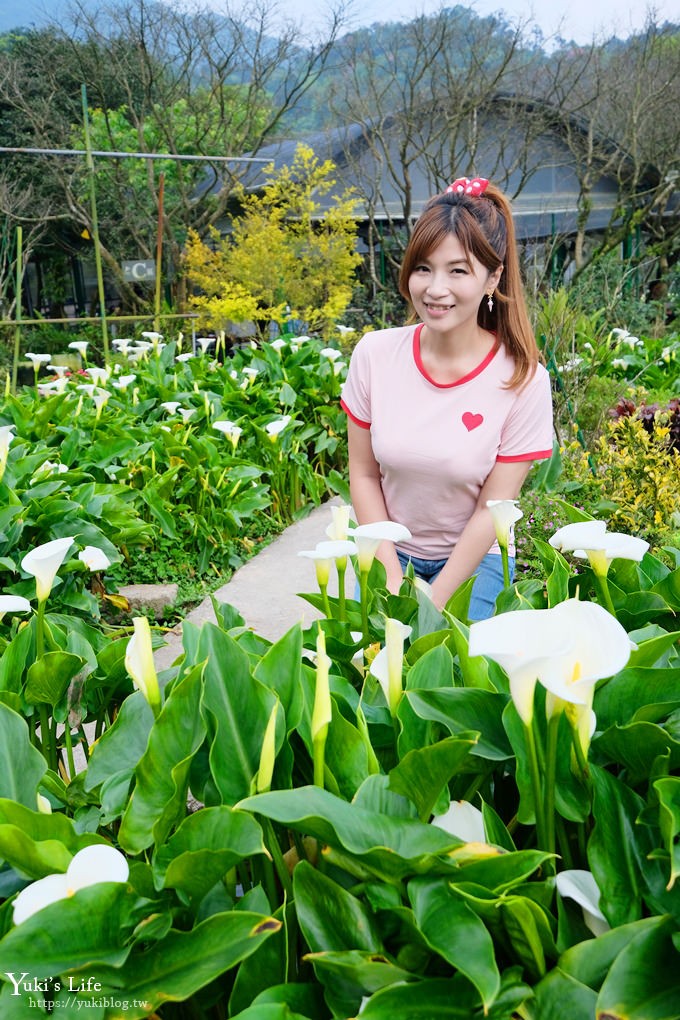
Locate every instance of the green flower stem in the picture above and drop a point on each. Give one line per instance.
(323, 588)
(506, 566)
(363, 595)
(319, 754)
(274, 847)
(550, 774)
(603, 592)
(341, 568)
(581, 759)
(564, 844)
(536, 786)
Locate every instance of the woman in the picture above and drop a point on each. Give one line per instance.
(452, 410)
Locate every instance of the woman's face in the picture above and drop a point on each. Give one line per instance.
(447, 287)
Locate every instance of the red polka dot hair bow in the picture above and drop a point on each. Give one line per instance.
(464, 186)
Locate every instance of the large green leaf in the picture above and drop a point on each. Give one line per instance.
(529, 933)
(391, 847)
(21, 765)
(37, 844)
(14, 658)
(86, 929)
(205, 846)
(175, 968)
(636, 747)
(422, 774)
(347, 755)
(330, 918)
(159, 799)
(475, 668)
(616, 847)
(48, 677)
(669, 819)
(644, 980)
(632, 689)
(122, 744)
(279, 670)
(236, 708)
(462, 710)
(561, 995)
(429, 999)
(456, 933)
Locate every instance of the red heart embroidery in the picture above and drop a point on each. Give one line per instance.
(472, 421)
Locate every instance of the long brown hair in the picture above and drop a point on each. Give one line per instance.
(483, 225)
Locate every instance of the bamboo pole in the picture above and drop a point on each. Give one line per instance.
(17, 307)
(159, 254)
(95, 226)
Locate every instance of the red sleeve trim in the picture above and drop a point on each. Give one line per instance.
(357, 421)
(538, 455)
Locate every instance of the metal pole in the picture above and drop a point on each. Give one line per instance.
(17, 308)
(159, 253)
(95, 227)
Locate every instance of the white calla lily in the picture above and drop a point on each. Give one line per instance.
(388, 665)
(278, 425)
(98, 375)
(580, 886)
(614, 546)
(463, 820)
(505, 513)
(139, 663)
(6, 437)
(330, 352)
(367, 538)
(123, 381)
(338, 529)
(43, 562)
(80, 346)
(38, 359)
(13, 604)
(567, 648)
(170, 406)
(582, 535)
(94, 558)
(325, 555)
(93, 864)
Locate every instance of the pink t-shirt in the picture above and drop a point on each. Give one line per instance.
(436, 443)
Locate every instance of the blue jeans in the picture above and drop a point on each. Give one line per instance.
(488, 580)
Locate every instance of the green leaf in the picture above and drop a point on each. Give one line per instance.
(236, 709)
(21, 765)
(475, 668)
(669, 820)
(331, 918)
(636, 747)
(346, 753)
(182, 963)
(37, 844)
(429, 999)
(279, 669)
(529, 933)
(462, 710)
(618, 875)
(205, 846)
(620, 698)
(649, 652)
(422, 775)
(392, 847)
(561, 995)
(159, 799)
(120, 747)
(48, 677)
(87, 928)
(455, 932)
(644, 980)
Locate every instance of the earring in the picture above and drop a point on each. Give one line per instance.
(489, 301)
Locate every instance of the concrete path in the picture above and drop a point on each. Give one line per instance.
(265, 590)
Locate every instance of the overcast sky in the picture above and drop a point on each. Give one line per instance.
(577, 20)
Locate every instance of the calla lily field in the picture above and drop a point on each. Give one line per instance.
(393, 812)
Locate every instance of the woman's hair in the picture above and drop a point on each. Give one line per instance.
(483, 225)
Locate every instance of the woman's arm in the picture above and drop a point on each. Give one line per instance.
(504, 482)
(367, 495)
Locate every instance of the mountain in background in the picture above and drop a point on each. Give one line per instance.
(15, 14)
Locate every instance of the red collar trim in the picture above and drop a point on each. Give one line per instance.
(459, 382)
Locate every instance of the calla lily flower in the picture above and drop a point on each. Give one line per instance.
(153, 336)
(6, 437)
(330, 352)
(59, 370)
(80, 346)
(614, 546)
(278, 344)
(278, 425)
(100, 399)
(388, 665)
(96, 863)
(505, 512)
(230, 430)
(94, 558)
(98, 375)
(463, 820)
(43, 562)
(184, 357)
(43, 804)
(567, 648)
(39, 359)
(88, 388)
(268, 753)
(139, 663)
(322, 712)
(123, 381)
(13, 604)
(325, 555)
(204, 342)
(338, 529)
(582, 535)
(186, 413)
(367, 538)
(580, 886)
(170, 406)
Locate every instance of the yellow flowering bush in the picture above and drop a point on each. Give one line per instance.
(639, 475)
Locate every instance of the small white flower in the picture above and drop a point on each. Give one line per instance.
(98, 375)
(186, 413)
(330, 352)
(88, 388)
(463, 820)
(59, 370)
(152, 336)
(369, 536)
(123, 381)
(204, 342)
(96, 863)
(278, 425)
(581, 887)
(43, 562)
(344, 330)
(78, 345)
(278, 344)
(170, 406)
(93, 558)
(184, 357)
(13, 604)
(39, 359)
